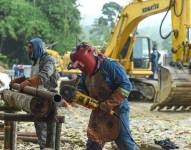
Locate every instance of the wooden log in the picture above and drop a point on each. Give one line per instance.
(10, 135)
(34, 139)
(23, 138)
(28, 118)
(51, 132)
(7, 135)
(8, 108)
(58, 135)
(30, 104)
(28, 134)
(13, 135)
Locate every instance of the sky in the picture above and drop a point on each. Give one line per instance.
(90, 10)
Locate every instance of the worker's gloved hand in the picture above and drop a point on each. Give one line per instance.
(17, 80)
(114, 100)
(23, 84)
(104, 107)
(33, 81)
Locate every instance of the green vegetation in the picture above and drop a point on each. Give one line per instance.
(100, 32)
(3, 60)
(55, 21)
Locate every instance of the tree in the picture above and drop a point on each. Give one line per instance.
(63, 17)
(110, 11)
(101, 30)
(17, 26)
(55, 21)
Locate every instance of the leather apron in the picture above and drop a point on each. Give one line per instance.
(105, 126)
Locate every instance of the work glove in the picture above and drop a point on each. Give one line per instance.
(113, 101)
(17, 80)
(34, 81)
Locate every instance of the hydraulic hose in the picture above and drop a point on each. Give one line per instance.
(160, 29)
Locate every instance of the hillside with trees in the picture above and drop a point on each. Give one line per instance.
(54, 21)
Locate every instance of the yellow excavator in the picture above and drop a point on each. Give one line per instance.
(172, 90)
(62, 63)
(58, 58)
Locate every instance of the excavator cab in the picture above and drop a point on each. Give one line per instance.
(139, 62)
(141, 53)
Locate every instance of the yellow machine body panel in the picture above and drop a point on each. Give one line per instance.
(62, 62)
(58, 59)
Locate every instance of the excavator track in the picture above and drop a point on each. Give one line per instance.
(174, 89)
(143, 89)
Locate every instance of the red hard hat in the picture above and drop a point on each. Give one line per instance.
(83, 58)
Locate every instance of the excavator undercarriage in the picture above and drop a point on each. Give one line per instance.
(143, 89)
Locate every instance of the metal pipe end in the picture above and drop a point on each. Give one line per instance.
(57, 98)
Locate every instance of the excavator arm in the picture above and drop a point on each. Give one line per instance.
(135, 12)
(129, 19)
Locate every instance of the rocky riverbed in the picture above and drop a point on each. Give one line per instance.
(145, 125)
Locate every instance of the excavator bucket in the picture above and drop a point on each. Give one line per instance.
(174, 89)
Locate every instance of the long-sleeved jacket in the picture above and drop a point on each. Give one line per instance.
(45, 68)
(115, 77)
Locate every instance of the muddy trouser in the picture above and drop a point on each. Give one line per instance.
(41, 132)
(124, 141)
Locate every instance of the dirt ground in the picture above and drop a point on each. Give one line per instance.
(145, 126)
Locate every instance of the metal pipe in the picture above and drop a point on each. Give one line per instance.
(38, 92)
